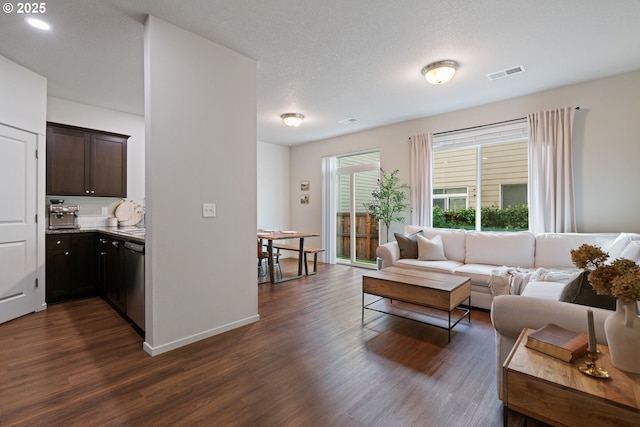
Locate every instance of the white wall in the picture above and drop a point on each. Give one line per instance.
(200, 111)
(605, 149)
(23, 101)
(87, 116)
(273, 186)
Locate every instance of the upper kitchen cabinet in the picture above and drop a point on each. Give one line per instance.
(85, 162)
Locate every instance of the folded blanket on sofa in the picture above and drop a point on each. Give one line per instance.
(513, 280)
(509, 280)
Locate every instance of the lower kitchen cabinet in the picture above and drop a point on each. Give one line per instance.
(71, 266)
(111, 283)
(90, 264)
(58, 266)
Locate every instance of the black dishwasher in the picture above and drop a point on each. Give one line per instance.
(133, 269)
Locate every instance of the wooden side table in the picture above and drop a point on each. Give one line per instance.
(557, 393)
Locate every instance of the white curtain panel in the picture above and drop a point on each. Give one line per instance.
(421, 160)
(328, 209)
(551, 198)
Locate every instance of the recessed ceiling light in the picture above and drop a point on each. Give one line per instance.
(38, 23)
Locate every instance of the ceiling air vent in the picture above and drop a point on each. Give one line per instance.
(506, 73)
(349, 121)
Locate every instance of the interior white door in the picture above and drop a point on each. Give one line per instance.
(18, 251)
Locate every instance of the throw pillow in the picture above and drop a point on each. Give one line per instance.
(408, 245)
(632, 252)
(431, 249)
(619, 245)
(579, 291)
(572, 289)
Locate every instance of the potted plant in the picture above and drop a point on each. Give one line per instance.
(389, 200)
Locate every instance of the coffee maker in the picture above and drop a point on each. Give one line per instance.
(62, 216)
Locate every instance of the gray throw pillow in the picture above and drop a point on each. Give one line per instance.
(408, 245)
(579, 291)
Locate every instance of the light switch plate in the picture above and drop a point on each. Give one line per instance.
(208, 210)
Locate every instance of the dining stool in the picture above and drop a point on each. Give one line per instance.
(263, 262)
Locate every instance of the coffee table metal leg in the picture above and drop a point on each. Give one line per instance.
(505, 416)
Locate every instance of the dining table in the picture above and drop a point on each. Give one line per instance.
(271, 236)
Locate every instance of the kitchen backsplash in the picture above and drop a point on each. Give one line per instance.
(93, 206)
(92, 221)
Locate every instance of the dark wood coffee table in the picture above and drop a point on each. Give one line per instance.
(423, 288)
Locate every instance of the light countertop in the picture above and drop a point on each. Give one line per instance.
(132, 233)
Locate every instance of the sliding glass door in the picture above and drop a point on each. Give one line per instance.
(356, 237)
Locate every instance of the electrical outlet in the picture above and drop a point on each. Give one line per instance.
(208, 210)
(103, 211)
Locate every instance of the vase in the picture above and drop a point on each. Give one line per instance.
(622, 330)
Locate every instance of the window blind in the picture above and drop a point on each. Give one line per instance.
(489, 134)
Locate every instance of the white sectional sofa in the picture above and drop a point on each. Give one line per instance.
(482, 256)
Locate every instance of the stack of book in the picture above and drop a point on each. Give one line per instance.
(558, 342)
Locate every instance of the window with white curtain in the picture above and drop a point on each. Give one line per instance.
(480, 177)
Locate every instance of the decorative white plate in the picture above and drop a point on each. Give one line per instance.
(289, 232)
(125, 210)
(128, 212)
(136, 217)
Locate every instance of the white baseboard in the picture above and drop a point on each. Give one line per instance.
(154, 351)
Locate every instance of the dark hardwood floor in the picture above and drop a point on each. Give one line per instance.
(309, 361)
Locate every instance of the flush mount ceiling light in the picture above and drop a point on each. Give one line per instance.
(440, 72)
(39, 24)
(292, 119)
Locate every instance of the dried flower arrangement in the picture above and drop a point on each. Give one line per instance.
(620, 279)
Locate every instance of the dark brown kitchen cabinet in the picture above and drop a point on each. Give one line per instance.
(85, 277)
(85, 162)
(58, 266)
(71, 266)
(110, 271)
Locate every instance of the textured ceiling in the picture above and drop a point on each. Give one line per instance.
(337, 59)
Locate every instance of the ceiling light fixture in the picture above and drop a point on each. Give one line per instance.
(39, 24)
(292, 119)
(440, 72)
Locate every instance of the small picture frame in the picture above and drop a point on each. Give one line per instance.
(304, 185)
(304, 199)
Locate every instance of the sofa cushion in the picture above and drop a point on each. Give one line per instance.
(632, 252)
(554, 249)
(437, 266)
(543, 290)
(479, 273)
(430, 249)
(408, 245)
(619, 245)
(510, 249)
(453, 240)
